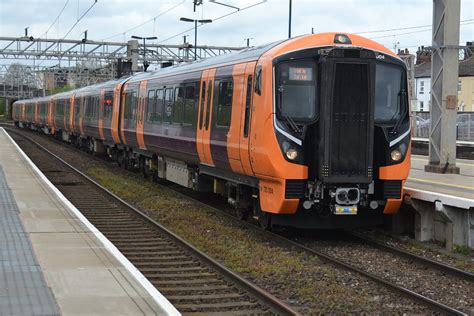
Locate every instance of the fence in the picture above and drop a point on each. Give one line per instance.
(464, 125)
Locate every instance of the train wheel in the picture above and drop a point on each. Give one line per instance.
(242, 214)
(90, 147)
(264, 218)
(265, 221)
(146, 172)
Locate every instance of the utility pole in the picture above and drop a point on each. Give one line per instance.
(145, 62)
(444, 81)
(132, 54)
(289, 20)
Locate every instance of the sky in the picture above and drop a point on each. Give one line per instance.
(111, 20)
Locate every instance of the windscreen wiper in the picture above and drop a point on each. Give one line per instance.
(289, 121)
(292, 125)
(399, 122)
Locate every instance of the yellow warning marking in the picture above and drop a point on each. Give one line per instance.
(442, 183)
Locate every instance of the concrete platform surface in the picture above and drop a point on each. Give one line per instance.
(460, 185)
(53, 261)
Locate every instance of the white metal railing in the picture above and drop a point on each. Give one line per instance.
(464, 125)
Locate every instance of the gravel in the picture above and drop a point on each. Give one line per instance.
(302, 280)
(450, 290)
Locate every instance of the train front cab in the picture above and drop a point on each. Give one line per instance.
(340, 149)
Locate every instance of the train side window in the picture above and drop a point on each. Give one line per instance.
(42, 110)
(208, 106)
(134, 105)
(224, 103)
(189, 103)
(203, 98)
(85, 104)
(150, 106)
(130, 105)
(248, 101)
(178, 105)
(66, 107)
(258, 81)
(30, 110)
(90, 107)
(168, 105)
(95, 107)
(108, 104)
(77, 107)
(159, 105)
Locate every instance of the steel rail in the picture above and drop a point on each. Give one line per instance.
(325, 257)
(276, 305)
(469, 276)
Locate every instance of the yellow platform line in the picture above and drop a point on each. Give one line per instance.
(442, 183)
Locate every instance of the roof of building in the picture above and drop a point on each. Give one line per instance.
(466, 68)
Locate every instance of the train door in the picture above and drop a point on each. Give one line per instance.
(237, 106)
(70, 118)
(51, 113)
(205, 117)
(142, 95)
(36, 117)
(65, 113)
(80, 114)
(200, 117)
(116, 124)
(101, 114)
(245, 118)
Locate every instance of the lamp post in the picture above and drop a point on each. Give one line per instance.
(289, 19)
(145, 63)
(195, 31)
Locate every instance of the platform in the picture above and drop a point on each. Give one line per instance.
(459, 185)
(53, 261)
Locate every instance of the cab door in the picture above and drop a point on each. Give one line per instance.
(246, 117)
(101, 114)
(203, 128)
(142, 95)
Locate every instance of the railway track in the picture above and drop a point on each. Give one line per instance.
(443, 267)
(191, 281)
(345, 264)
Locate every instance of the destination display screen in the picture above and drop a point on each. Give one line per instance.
(301, 73)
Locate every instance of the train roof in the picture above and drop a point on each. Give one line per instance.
(248, 54)
(245, 55)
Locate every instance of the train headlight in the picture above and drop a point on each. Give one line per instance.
(292, 154)
(396, 155)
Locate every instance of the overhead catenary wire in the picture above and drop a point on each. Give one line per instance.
(80, 18)
(216, 19)
(74, 25)
(420, 31)
(405, 28)
(56, 19)
(147, 21)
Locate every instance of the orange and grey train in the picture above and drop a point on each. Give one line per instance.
(309, 132)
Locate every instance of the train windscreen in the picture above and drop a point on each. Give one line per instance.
(388, 87)
(296, 90)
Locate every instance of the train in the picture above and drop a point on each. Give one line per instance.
(311, 132)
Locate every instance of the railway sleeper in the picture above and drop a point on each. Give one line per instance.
(216, 307)
(185, 269)
(170, 289)
(176, 276)
(201, 297)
